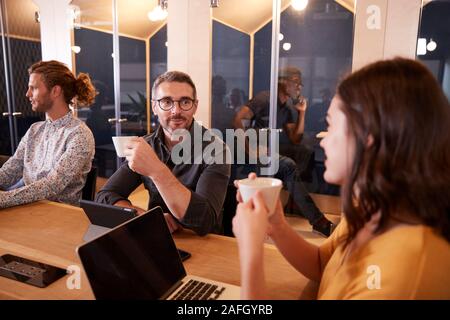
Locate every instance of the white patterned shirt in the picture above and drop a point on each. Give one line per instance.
(53, 159)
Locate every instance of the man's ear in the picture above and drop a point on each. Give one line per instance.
(56, 91)
(370, 141)
(195, 106)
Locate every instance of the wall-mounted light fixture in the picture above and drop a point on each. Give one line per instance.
(432, 45)
(76, 49)
(423, 46)
(214, 3)
(37, 17)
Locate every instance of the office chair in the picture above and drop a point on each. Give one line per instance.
(88, 192)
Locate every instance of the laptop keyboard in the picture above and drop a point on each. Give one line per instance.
(198, 290)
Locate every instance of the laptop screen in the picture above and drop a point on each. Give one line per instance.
(137, 260)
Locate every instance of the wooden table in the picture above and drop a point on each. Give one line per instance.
(49, 232)
(328, 204)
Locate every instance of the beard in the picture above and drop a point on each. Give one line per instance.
(43, 106)
(170, 127)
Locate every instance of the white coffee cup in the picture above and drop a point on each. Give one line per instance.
(268, 187)
(120, 144)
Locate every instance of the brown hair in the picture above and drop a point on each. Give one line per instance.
(406, 169)
(174, 76)
(55, 73)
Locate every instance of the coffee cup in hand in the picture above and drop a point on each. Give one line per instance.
(120, 143)
(268, 187)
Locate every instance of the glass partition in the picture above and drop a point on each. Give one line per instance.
(93, 54)
(316, 43)
(230, 73)
(141, 54)
(134, 28)
(20, 47)
(433, 47)
(158, 62)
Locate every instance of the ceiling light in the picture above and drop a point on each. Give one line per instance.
(159, 12)
(280, 36)
(299, 5)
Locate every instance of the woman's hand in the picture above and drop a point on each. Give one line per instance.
(276, 220)
(251, 176)
(250, 223)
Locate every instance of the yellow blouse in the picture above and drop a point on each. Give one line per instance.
(407, 262)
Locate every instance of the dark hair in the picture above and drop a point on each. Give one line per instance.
(174, 76)
(406, 168)
(55, 73)
(289, 72)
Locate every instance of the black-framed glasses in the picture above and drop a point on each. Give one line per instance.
(168, 103)
(297, 82)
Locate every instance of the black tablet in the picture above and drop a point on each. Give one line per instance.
(106, 215)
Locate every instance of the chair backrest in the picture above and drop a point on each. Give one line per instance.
(88, 192)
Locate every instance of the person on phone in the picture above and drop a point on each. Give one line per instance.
(388, 148)
(295, 158)
(257, 110)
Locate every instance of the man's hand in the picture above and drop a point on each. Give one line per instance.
(302, 105)
(172, 223)
(126, 204)
(142, 158)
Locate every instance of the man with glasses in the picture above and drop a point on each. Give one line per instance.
(190, 194)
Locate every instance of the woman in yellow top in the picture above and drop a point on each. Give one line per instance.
(388, 147)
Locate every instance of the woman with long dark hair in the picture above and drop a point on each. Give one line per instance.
(388, 147)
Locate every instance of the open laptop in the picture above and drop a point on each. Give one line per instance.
(139, 260)
(104, 217)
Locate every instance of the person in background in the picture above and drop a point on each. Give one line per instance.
(257, 110)
(387, 147)
(54, 156)
(294, 158)
(191, 194)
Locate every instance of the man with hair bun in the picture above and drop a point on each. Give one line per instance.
(54, 156)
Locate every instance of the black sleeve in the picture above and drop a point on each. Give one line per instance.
(121, 184)
(204, 209)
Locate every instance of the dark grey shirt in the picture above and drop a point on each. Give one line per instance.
(207, 183)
